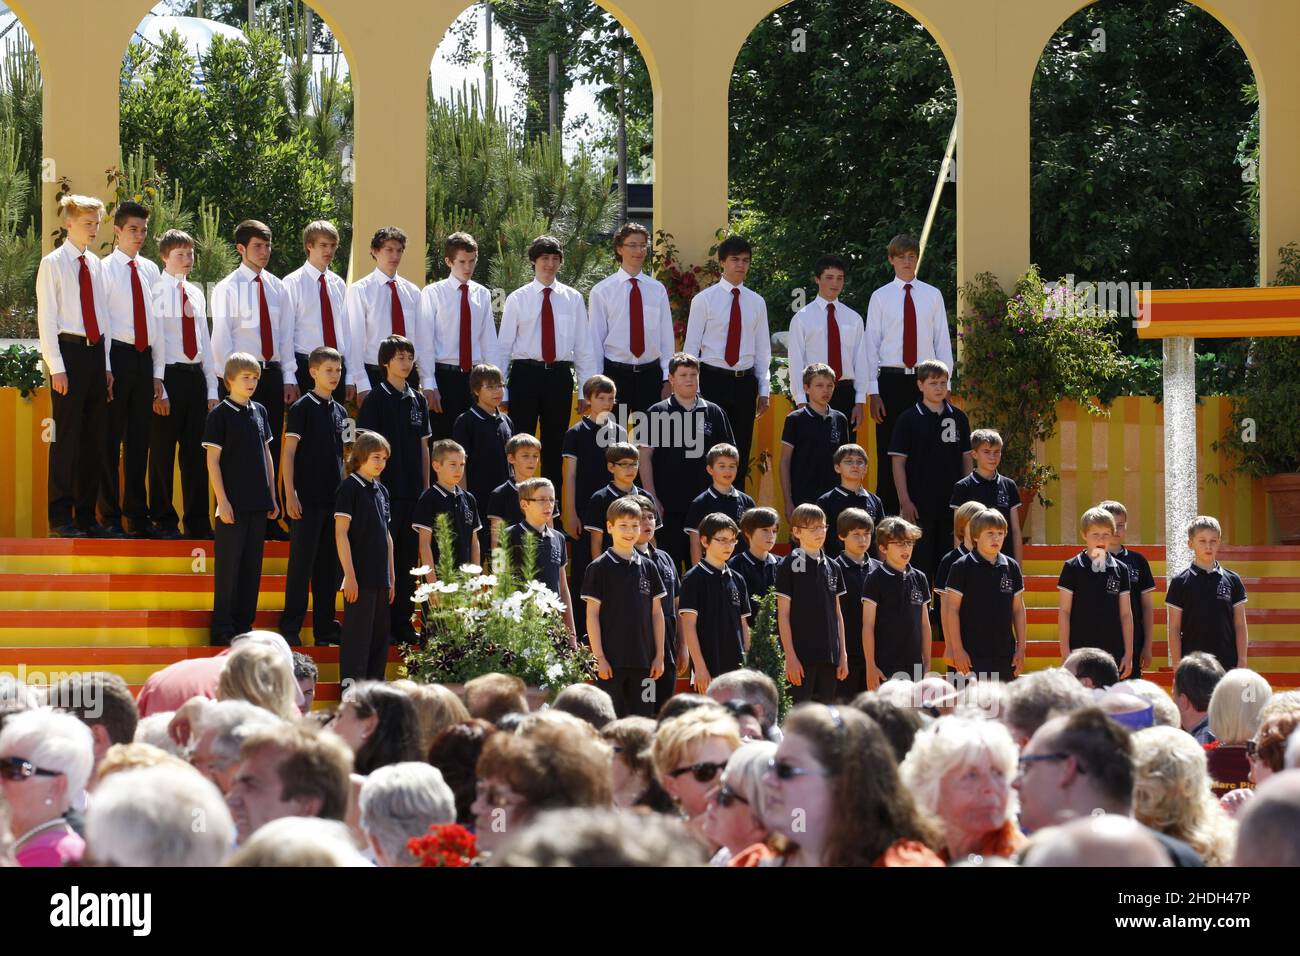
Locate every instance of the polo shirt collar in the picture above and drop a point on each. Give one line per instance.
(860, 493)
(1000, 562)
(1197, 569)
(482, 415)
(635, 559)
(889, 569)
(365, 482)
(444, 492)
(946, 410)
(710, 569)
(699, 403)
(1111, 560)
(247, 407)
(985, 481)
(392, 391)
(715, 493)
(315, 398)
(862, 564)
(540, 532)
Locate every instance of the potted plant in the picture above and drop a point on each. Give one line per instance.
(1263, 433)
(1024, 353)
(765, 653)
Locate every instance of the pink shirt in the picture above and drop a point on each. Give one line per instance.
(167, 689)
(51, 848)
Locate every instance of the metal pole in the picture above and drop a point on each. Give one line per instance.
(1180, 448)
(487, 63)
(622, 135)
(553, 71)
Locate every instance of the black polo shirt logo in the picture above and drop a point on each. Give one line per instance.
(465, 513)
(835, 432)
(416, 417)
(644, 584)
(733, 593)
(1004, 584)
(1112, 584)
(1225, 589)
(917, 596)
(706, 426)
(1003, 499)
(828, 574)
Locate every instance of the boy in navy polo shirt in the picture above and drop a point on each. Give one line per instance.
(808, 587)
(1141, 585)
(850, 463)
(929, 452)
(756, 565)
(483, 431)
(895, 604)
(1094, 608)
(446, 496)
(809, 439)
(400, 413)
(984, 605)
(677, 433)
(524, 456)
(987, 486)
(715, 605)
(365, 549)
(622, 461)
(312, 467)
(676, 661)
(625, 616)
(1206, 604)
(237, 437)
(854, 529)
(961, 519)
(722, 497)
(537, 502)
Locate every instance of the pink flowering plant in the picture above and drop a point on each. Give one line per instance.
(1023, 353)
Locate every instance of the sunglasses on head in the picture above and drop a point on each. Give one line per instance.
(16, 768)
(726, 797)
(704, 772)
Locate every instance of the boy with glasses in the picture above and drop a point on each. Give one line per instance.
(715, 605)
(537, 504)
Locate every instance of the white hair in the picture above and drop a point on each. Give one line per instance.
(950, 745)
(744, 773)
(401, 801)
(299, 841)
(232, 721)
(1166, 711)
(1171, 793)
(159, 816)
(900, 692)
(153, 730)
(52, 740)
(982, 700)
(1235, 705)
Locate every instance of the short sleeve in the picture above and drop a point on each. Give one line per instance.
(473, 510)
(214, 428)
(1017, 578)
(570, 447)
(1065, 581)
(1238, 590)
(425, 424)
(295, 420)
(593, 515)
(593, 581)
(264, 422)
(963, 429)
(958, 494)
(789, 431)
(837, 571)
(657, 588)
(345, 501)
(1125, 577)
(694, 515)
(1013, 494)
(871, 588)
(900, 441)
(691, 597)
(725, 424)
(743, 588)
(746, 503)
(784, 579)
(422, 514)
(1145, 580)
(497, 501)
(956, 578)
(923, 581)
(1174, 595)
(369, 416)
(462, 432)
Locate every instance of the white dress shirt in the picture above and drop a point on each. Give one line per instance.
(58, 302)
(121, 304)
(521, 328)
(370, 321)
(440, 315)
(611, 327)
(303, 287)
(710, 321)
(885, 328)
(237, 323)
(167, 307)
(808, 346)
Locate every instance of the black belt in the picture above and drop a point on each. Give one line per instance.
(633, 369)
(897, 370)
(118, 343)
(274, 365)
(72, 338)
(184, 366)
(533, 363)
(449, 368)
(731, 373)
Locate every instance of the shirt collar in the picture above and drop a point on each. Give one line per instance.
(311, 272)
(482, 415)
(710, 569)
(728, 286)
(1197, 569)
(247, 274)
(625, 277)
(699, 402)
(365, 482)
(248, 407)
(315, 398)
(714, 492)
(72, 252)
(537, 286)
(382, 277)
(119, 256)
(900, 284)
(862, 564)
(946, 410)
(541, 532)
(860, 493)
(455, 491)
(822, 303)
(1000, 562)
(635, 559)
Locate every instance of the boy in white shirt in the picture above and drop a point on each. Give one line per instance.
(825, 322)
(318, 299)
(383, 304)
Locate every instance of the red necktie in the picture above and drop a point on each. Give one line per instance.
(833, 342)
(399, 320)
(733, 330)
(268, 342)
(326, 314)
(137, 305)
(636, 319)
(88, 318)
(188, 341)
(909, 328)
(548, 327)
(466, 339)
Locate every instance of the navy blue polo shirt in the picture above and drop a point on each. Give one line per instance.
(672, 587)
(625, 590)
(402, 418)
(839, 500)
(1208, 600)
(551, 553)
(366, 503)
(999, 493)
(1095, 605)
(241, 432)
(900, 598)
(719, 601)
(812, 439)
(855, 575)
(459, 506)
(759, 577)
(945, 565)
(988, 590)
(732, 504)
(318, 424)
(484, 438)
(681, 439)
(593, 516)
(934, 444)
(814, 586)
(585, 443)
(1140, 581)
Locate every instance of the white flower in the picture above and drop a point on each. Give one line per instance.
(484, 582)
(470, 569)
(537, 586)
(421, 571)
(554, 672)
(445, 587)
(422, 592)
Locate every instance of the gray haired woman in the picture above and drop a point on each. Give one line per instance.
(734, 817)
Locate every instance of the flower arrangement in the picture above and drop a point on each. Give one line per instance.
(475, 623)
(681, 281)
(446, 844)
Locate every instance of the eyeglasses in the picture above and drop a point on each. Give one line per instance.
(726, 797)
(785, 771)
(703, 772)
(721, 540)
(16, 768)
(545, 501)
(812, 527)
(1026, 762)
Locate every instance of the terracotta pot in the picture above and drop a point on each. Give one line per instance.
(1284, 492)
(536, 695)
(1027, 497)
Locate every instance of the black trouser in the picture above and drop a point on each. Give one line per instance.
(665, 686)
(363, 647)
(935, 522)
(314, 564)
(842, 400)
(237, 551)
(406, 555)
(638, 386)
(853, 685)
(130, 415)
(672, 538)
(737, 395)
(579, 559)
(305, 384)
(899, 393)
(453, 389)
(819, 683)
(80, 418)
(991, 668)
(376, 374)
(545, 393)
(630, 689)
(187, 394)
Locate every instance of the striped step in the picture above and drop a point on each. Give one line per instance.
(119, 592)
(121, 556)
